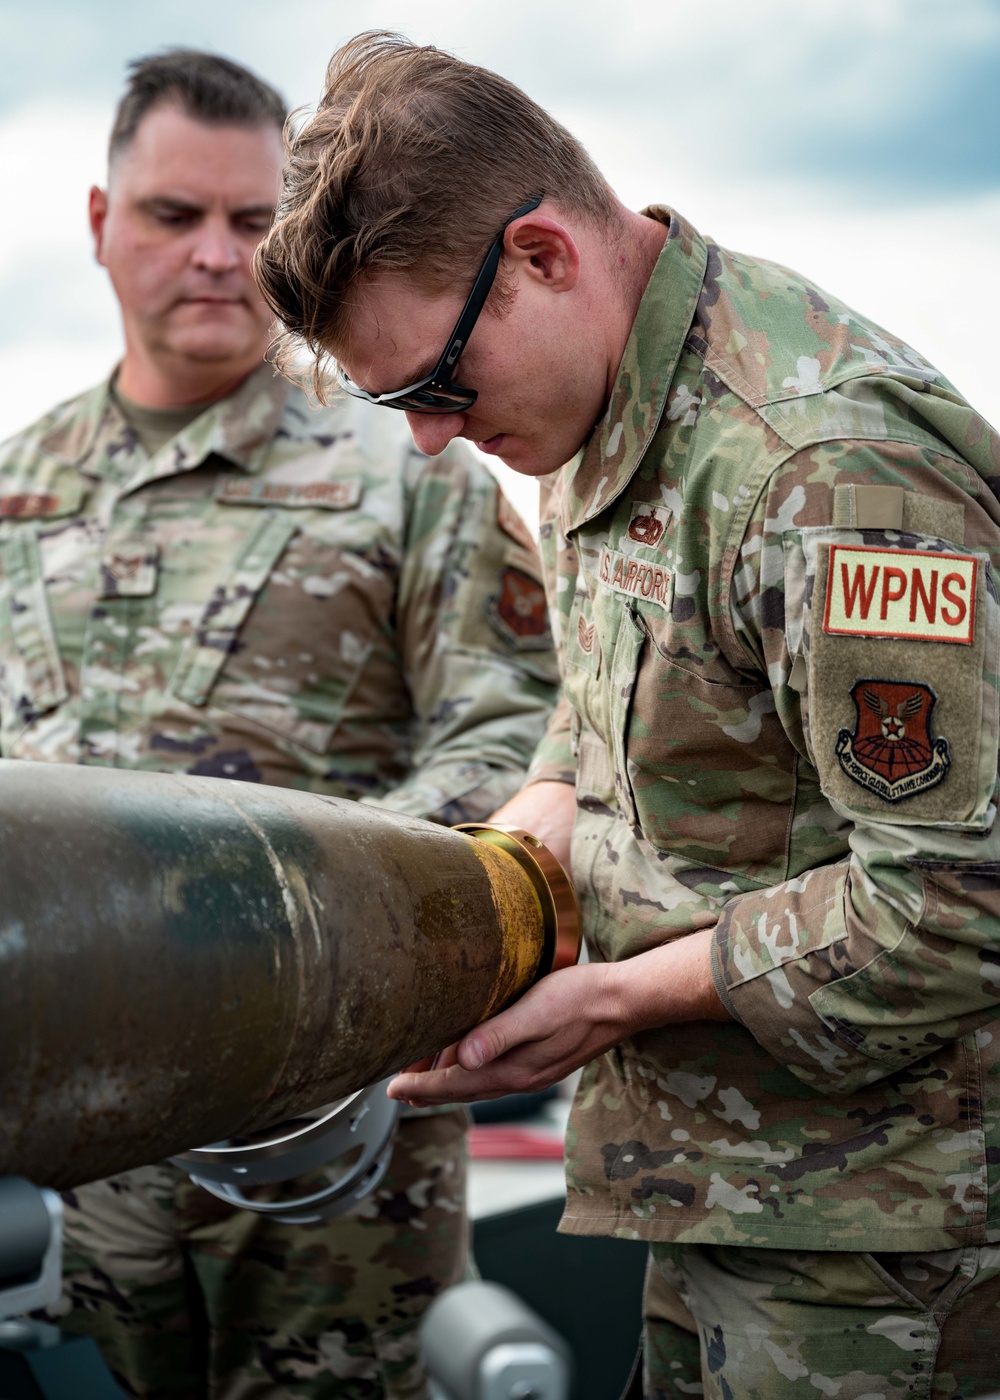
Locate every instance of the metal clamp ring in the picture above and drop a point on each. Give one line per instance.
(291, 1150)
(560, 906)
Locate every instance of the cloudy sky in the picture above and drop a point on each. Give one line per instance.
(857, 140)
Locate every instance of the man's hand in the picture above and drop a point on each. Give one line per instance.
(567, 1019)
(546, 810)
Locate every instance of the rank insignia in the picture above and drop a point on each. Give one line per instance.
(891, 751)
(519, 612)
(647, 524)
(585, 634)
(130, 573)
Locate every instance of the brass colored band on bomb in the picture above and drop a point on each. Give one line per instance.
(546, 946)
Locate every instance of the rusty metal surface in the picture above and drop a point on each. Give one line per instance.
(557, 901)
(185, 959)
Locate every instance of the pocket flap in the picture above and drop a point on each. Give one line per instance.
(31, 622)
(215, 635)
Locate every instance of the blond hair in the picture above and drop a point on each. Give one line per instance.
(411, 163)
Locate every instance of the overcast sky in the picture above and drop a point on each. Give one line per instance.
(857, 140)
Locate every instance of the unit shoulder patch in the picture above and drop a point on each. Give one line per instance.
(901, 705)
(892, 752)
(908, 593)
(519, 612)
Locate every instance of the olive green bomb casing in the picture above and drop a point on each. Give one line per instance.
(189, 959)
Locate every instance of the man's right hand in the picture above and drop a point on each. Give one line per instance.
(546, 810)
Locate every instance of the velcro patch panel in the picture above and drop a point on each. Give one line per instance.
(901, 593)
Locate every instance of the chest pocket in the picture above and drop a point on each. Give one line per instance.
(33, 681)
(708, 771)
(282, 639)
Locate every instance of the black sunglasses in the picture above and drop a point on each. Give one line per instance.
(436, 393)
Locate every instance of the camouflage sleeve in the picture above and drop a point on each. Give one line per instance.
(865, 586)
(475, 639)
(553, 761)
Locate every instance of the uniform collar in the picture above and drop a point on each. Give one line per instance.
(99, 442)
(648, 365)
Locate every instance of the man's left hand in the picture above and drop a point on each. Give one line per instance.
(567, 1019)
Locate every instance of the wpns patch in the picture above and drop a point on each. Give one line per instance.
(519, 612)
(511, 524)
(901, 593)
(892, 752)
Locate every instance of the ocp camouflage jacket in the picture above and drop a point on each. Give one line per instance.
(774, 574)
(278, 595)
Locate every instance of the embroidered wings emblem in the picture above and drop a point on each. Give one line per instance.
(892, 752)
(893, 726)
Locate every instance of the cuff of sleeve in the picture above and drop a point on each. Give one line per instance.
(720, 948)
(553, 762)
(767, 963)
(451, 793)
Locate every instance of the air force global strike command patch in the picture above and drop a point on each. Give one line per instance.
(892, 751)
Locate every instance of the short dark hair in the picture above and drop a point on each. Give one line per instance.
(208, 88)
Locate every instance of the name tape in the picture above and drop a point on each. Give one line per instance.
(327, 495)
(28, 506)
(635, 577)
(901, 593)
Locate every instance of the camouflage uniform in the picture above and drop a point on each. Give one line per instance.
(773, 1324)
(773, 575)
(297, 598)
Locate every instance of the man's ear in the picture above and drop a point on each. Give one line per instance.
(98, 211)
(546, 250)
